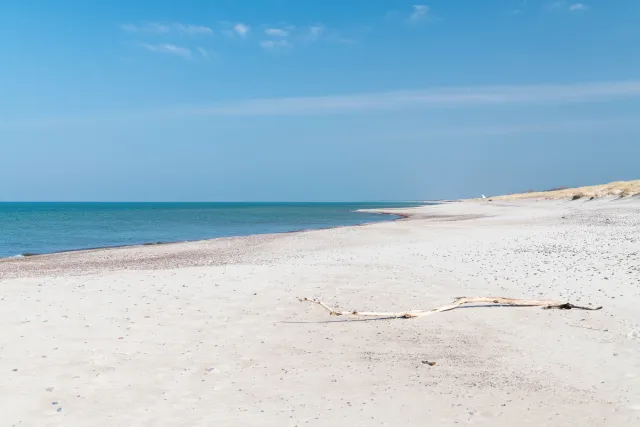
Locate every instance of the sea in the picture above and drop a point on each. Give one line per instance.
(40, 228)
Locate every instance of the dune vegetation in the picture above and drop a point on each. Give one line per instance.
(619, 189)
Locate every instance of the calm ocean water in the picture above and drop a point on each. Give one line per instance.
(36, 228)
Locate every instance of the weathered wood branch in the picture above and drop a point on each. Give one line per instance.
(459, 302)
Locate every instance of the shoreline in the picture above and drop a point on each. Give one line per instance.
(212, 332)
(400, 216)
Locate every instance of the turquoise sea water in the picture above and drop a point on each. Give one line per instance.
(36, 228)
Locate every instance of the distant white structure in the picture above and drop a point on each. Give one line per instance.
(484, 197)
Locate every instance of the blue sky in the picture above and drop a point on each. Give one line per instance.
(315, 100)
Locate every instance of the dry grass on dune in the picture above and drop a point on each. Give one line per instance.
(617, 189)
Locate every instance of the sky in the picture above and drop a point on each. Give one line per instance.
(305, 100)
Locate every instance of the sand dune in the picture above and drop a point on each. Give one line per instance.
(616, 189)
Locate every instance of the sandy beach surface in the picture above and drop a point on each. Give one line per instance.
(211, 334)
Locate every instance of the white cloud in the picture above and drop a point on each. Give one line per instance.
(168, 48)
(420, 12)
(565, 5)
(422, 99)
(577, 7)
(557, 4)
(288, 36)
(455, 97)
(203, 52)
(276, 32)
(274, 44)
(193, 29)
(241, 29)
(520, 9)
(159, 28)
(294, 35)
(316, 31)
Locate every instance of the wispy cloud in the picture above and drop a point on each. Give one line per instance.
(168, 48)
(160, 28)
(455, 97)
(567, 6)
(316, 31)
(193, 29)
(276, 32)
(577, 7)
(151, 28)
(274, 44)
(241, 29)
(290, 36)
(278, 36)
(321, 33)
(203, 52)
(420, 12)
(520, 9)
(435, 98)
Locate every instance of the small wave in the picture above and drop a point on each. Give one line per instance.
(24, 255)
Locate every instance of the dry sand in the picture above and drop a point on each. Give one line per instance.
(211, 334)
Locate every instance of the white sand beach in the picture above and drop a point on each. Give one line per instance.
(211, 333)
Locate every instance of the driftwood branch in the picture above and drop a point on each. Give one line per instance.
(459, 302)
